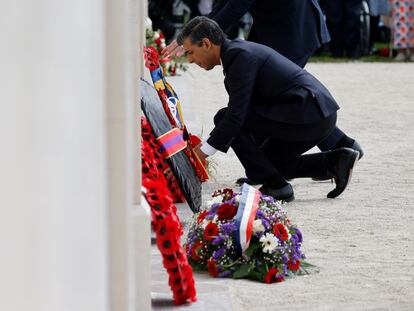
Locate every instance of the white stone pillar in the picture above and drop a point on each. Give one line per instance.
(129, 221)
(66, 195)
(53, 223)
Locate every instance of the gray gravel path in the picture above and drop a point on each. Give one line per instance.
(362, 241)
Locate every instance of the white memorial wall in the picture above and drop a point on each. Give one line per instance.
(73, 235)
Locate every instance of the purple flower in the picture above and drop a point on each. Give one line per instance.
(209, 216)
(194, 238)
(227, 229)
(224, 274)
(218, 240)
(285, 259)
(299, 234)
(218, 253)
(267, 198)
(231, 201)
(260, 214)
(266, 223)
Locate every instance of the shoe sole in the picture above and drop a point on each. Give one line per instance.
(290, 199)
(354, 160)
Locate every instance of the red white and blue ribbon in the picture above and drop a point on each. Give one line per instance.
(245, 216)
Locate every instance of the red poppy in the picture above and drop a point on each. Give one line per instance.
(167, 244)
(212, 268)
(281, 232)
(279, 279)
(201, 216)
(194, 252)
(226, 211)
(211, 231)
(294, 266)
(169, 261)
(271, 275)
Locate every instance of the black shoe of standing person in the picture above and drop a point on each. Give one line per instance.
(284, 193)
(355, 146)
(342, 170)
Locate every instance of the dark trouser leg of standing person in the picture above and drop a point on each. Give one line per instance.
(334, 12)
(352, 24)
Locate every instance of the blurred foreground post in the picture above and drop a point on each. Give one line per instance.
(72, 233)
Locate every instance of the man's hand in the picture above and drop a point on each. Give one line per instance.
(201, 155)
(173, 50)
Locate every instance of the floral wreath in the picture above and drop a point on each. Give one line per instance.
(165, 222)
(245, 235)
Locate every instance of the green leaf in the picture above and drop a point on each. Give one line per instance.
(242, 271)
(253, 274)
(262, 269)
(251, 250)
(307, 268)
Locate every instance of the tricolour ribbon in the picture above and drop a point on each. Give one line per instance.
(245, 216)
(172, 142)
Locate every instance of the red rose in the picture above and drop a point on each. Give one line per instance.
(212, 268)
(281, 232)
(271, 275)
(226, 211)
(201, 217)
(294, 266)
(211, 231)
(194, 252)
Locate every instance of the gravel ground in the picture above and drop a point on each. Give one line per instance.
(363, 240)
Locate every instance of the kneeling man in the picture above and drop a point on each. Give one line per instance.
(276, 112)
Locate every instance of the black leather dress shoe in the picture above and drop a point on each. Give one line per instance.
(282, 194)
(342, 170)
(328, 176)
(246, 180)
(358, 148)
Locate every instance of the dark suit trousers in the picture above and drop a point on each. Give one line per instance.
(336, 135)
(271, 152)
(343, 21)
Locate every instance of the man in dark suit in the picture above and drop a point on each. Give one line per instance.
(276, 112)
(294, 28)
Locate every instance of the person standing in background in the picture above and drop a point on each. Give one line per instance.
(343, 21)
(403, 29)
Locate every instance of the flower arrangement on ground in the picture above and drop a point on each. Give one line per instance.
(245, 235)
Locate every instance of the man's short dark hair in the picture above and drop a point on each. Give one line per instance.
(201, 27)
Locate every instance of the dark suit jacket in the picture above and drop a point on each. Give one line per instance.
(260, 80)
(294, 28)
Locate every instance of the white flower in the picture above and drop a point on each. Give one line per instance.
(156, 35)
(237, 198)
(258, 226)
(269, 243)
